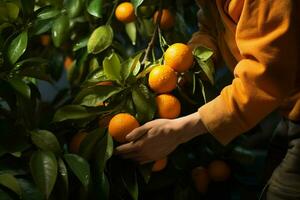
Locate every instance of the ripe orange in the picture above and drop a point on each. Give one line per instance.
(68, 63)
(45, 40)
(219, 171)
(168, 106)
(201, 179)
(162, 79)
(159, 165)
(125, 12)
(179, 56)
(76, 141)
(167, 20)
(120, 125)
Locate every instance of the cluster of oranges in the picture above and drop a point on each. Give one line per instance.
(217, 171)
(125, 13)
(163, 79)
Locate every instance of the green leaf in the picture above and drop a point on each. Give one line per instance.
(17, 47)
(73, 112)
(104, 151)
(103, 191)
(94, 7)
(146, 171)
(80, 168)
(60, 30)
(136, 4)
(43, 166)
(74, 7)
(87, 146)
(92, 96)
(11, 182)
(45, 140)
(144, 103)
(129, 178)
(27, 7)
(203, 53)
(62, 179)
(29, 190)
(12, 10)
(100, 39)
(42, 26)
(21, 87)
(47, 13)
(131, 32)
(112, 67)
(80, 44)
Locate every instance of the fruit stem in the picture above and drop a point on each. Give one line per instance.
(112, 12)
(151, 43)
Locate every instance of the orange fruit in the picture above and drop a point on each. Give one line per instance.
(168, 106)
(76, 141)
(179, 56)
(45, 40)
(120, 125)
(125, 12)
(219, 171)
(201, 179)
(167, 20)
(68, 63)
(162, 79)
(159, 165)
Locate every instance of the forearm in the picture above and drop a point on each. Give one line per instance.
(189, 127)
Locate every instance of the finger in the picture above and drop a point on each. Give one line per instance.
(137, 133)
(125, 148)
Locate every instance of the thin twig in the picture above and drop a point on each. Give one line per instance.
(112, 13)
(151, 43)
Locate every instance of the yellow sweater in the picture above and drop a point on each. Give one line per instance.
(259, 41)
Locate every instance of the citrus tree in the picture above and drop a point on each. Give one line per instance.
(127, 63)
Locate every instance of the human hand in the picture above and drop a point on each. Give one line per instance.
(157, 139)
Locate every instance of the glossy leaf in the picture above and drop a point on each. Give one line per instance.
(112, 67)
(45, 140)
(43, 166)
(29, 190)
(87, 146)
(136, 4)
(74, 7)
(17, 47)
(10, 182)
(42, 26)
(104, 152)
(144, 103)
(21, 87)
(94, 95)
(80, 168)
(27, 7)
(203, 53)
(73, 112)
(62, 179)
(129, 178)
(12, 10)
(131, 32)
(94, 7)
(80, 44)
(100, 39)
(60, 30)
(48, 13)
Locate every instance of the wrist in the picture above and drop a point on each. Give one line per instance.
(190, 126)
